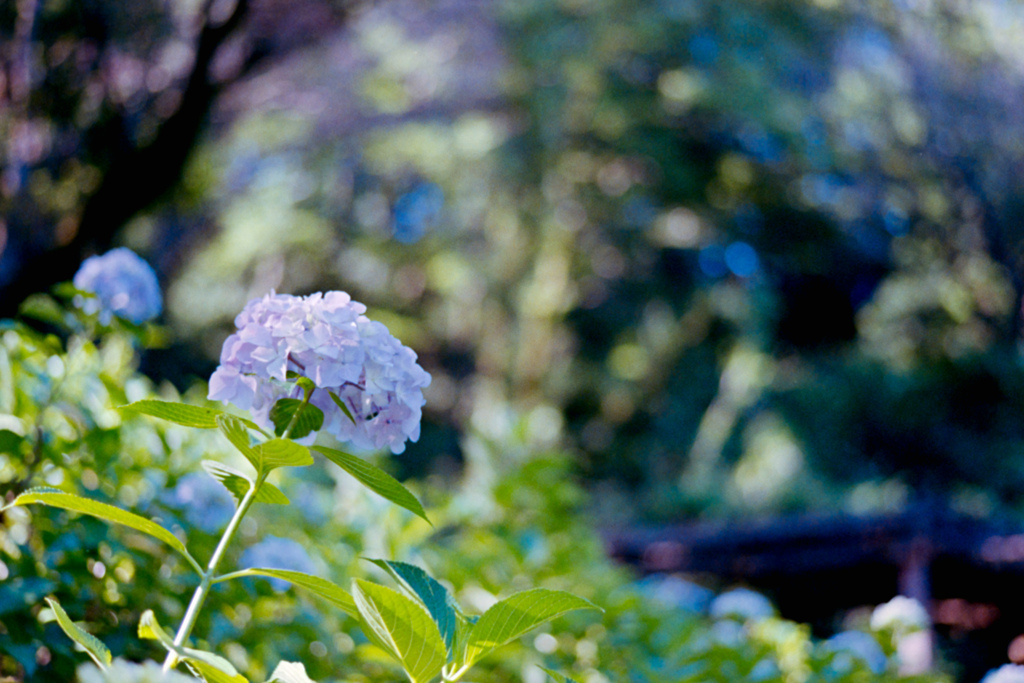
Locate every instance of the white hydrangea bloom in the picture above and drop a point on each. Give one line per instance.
(901, 614)
(326, 338)
(1007, 673)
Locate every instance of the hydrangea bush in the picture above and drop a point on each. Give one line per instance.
(276, 580)
(302, 365)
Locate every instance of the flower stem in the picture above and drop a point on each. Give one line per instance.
(199, 597)
(295, 417)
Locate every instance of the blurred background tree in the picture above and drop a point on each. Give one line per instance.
(744, 257)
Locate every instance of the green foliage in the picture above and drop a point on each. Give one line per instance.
(212, 668)
(508, 545)
(375, 479)
(178, 413)
(401, 628)
(431, 594)
(332, 593)
(239, 484)
(109, 513)
(99, 652)
(296, 414)
(516, 615)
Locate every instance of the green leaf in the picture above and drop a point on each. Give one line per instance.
(179, 413)
(375, 479)
(284, 453)
(90, 643)
(435, 597)
(238, 434)
(10, 442)
(267, 455)
(557, 677)
(212, 674)
(42, 307)
(310, 418)
(341, 405)
(290, 672)
(238, 484)
(516, 615)
(213, 668)
(402, 628)
(86, 506)
(331, 592)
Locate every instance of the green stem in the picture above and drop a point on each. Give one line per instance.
(233, 575)
(199, 597)
(295, 417)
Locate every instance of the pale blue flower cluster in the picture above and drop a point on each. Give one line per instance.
(860, 645)
(326, 338)
(743, 604)
(205, 503)
(123, 284)
(278, 553)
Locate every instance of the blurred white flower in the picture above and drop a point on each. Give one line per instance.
(1007, 673)
(901, 614)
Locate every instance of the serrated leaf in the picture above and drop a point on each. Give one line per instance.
(290, 672)
(178, 413)
(87, 506)
(90, 643)
(238, 434)
(213, 668)
(557, 677)
(375, 479)
(238, 484)
(284, 453)
(331, 592)
(435, 597)
(310, 418)
(402, 628)
(267, 455)
(516, 615)
(341, 406)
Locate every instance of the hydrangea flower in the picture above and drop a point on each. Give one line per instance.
(860, 645)
(1007, 673)
(327, 338)
(205, 503)
(673, 591)
(743, 604)
(901, 614)
(124, 285)
(278, 553)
